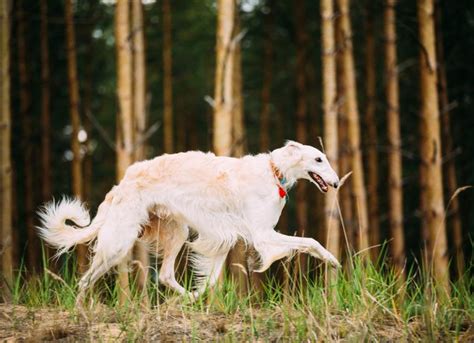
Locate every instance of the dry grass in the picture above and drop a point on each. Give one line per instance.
(369, 304)
(20, 323)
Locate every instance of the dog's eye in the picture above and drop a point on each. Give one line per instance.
(319, 159)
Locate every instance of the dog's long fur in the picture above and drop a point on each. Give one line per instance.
(221, 198)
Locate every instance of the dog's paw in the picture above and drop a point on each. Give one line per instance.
(332, 260)
(192, 296)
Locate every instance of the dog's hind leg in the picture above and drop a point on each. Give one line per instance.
(95, 271)
(216, 270)
(108, 253)
(208, 269)
(172, 237)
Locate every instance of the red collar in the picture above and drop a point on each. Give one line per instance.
(281, 180)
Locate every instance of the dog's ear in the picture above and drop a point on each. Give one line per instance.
(293, 149)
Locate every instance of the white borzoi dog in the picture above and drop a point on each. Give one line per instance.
(221, 198)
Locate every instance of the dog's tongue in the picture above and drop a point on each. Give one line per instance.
(319, 180)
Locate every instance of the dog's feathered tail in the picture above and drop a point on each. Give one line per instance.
(57, 233)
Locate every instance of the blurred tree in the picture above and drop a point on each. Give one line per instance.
(395, 192)
(6, 224)
(348, 226)
(430, 150)
(140, 123)
(328, 57)
(371, 125)
(454, 218)
(353, 131)
(75, 120)
(45, 106)
(168, 127)
(26, 117)
(223, 94)
(125, 149)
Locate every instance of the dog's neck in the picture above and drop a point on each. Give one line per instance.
(281, 169)
(277, 173)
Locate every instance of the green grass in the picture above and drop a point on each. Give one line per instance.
(365, 302)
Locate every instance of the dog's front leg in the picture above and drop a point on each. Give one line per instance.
(314, 248)
(274, 246)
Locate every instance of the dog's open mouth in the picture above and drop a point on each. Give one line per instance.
(323, 186)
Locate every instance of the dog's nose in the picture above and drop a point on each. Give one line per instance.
(335, 184)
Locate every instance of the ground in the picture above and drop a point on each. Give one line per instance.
(169, 323)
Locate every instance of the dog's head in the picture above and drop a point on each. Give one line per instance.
(297, 161)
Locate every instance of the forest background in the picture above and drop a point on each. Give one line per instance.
(278, 89)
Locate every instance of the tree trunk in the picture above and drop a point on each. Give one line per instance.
(223, 101)
(268, 26)
(46, 188)
(430, 149)
(168, 128)
(395, 192)
(6, 224)
(45, 108)
(301, 121)
(371, 125)
(75, 120)
(328, 57)
(351, 108)
(347, 239)
(33, 255)
(140, 117)
(125, 152)
(454, 218)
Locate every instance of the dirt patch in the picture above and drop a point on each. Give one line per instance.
(169, 323)
(23, 324)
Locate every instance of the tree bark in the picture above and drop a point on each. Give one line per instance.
(430, 149)
(6, 222)
(328, 57)
(454, 218)
(33, 256)
(125, 151)
(140, 116)
(371, 125)
(45, 106)
(168, 128)
(301, 120)
(395, 192)
(75, 120)
(223, 100)
(347, 239)
(351, 108)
